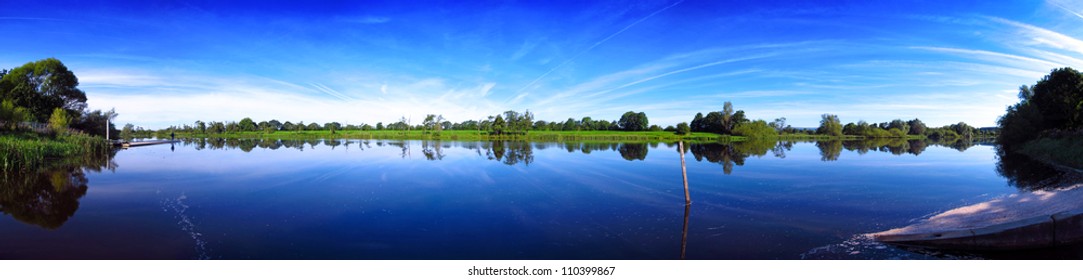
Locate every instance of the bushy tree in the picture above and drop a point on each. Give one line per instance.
(899, 124)
(1059, 98)
(94, 123)
(232, 127)
(274, 124)
(758, 129)
(201, 127)
(586, 124)
(632, 121)
(721, 122)
(498, 125)
(1054, 103)
(127, 131)
(42, 86)
(916, 127)
(779, 124)
(697, 123)
(683, 129)
(59, 120)
(569, 125)
(247, 124)
(11, 115)
(830, 125)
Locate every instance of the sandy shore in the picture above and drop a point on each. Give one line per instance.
(998, 211)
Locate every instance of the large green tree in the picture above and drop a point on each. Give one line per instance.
(42, 86)
(1059, 98)
(247, 124)
(916, 127)
(721, 122)
(683, 129)
(498, 126)
(632, 121)
(830, 125)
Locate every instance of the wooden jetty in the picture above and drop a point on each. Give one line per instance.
(129, 144)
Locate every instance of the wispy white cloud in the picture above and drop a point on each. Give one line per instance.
(233, 98)
(953, 74)
(596, 44)
(525, 48)
(693, 68)
(1061, 5)
(1000, 58)
(114, 78)
(330, 91)
(1036, 36)
(366, 20)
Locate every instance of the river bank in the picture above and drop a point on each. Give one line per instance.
(26, 149)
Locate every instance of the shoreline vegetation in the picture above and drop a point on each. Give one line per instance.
(1062, 152)
(23, 150)
(1047, 123)
(541, 136)
(727, 125)
(44, 117)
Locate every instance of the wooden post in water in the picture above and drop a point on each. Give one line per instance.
(684, 173)
(684, 232)
(687, 201)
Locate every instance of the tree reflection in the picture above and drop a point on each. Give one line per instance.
(830, 149)
(633, 151)
(728, 154)
(1025, 173)
(333, 143)
(432, 150)
(47, 196)
(734, 154)
(510, 152)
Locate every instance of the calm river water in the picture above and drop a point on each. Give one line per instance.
(393, 199)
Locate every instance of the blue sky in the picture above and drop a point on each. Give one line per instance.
(169, 63)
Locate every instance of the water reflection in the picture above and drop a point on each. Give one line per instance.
(731, 154)
(47, 196)
(830, 149)
(1027, 174)
(520, 152)
(369, 204)
(511, 152)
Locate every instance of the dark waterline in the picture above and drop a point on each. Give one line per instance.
(385, 199)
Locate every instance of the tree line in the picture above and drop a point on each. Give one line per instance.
(727, 121)
(508, 123)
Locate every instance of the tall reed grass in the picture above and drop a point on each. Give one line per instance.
(26, 150)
